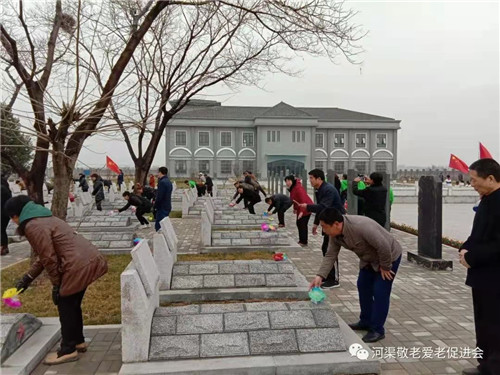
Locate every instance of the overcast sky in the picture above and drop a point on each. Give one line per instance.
(432, 65)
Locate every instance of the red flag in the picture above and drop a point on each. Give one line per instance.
(458, 164)
(112, 165)
(483, 152)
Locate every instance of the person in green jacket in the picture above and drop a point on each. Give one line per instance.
(191, 183)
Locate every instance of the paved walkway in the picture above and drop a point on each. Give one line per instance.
(429, 311)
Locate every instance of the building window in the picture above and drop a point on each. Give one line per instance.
(338, 140)
(180, 138)
(360, 140)
(360, 167)
(319, 164)
(180, 167)
(296, 136)
(338, 167)
(273, 135)
(248, 140)
(225, 139)
(249, 165)
(204, 166)
(381, 140)
(204, 139)
(380, 166)
(320, 140)
(225, 166)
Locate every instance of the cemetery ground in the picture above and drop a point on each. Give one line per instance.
(429, 309)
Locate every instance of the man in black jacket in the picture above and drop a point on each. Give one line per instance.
(326, 196)
(480, 254)
(280, 203)
(251, 196)
(375, 196)
(141, 204)
(83, 182)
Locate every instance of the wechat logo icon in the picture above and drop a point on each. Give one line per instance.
(357, 350)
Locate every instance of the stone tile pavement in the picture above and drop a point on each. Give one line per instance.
(429, 309)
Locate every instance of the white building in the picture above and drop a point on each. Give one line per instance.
(226, 140)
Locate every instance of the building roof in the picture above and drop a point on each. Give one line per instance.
(215, 111)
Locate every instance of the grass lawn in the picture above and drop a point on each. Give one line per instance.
(101, 304)
(226, 256)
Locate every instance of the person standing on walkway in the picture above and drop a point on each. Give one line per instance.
(380, 256)
(71, 262)
(251, 196)
(374, 195)
(163, 202)
(480, 254)
(119, 180)
(142, 205)
(98, 191)
(280, 203)
(6, 195)
(326, 196)
(299, 195)
(209, 184)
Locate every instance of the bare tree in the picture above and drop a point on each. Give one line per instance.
(193, 46)
(62, 126)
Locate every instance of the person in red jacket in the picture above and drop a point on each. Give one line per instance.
(299, 195)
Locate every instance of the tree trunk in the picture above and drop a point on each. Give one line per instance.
(63, 174)
(141, 170)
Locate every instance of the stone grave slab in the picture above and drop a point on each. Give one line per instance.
(234, 279)
(254, 346)
(15, 329)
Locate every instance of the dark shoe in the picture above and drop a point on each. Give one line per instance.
(471, 371)
(82, 348)
(358, 327)
(373, 337)
(329, 284)
(5, 250)
(281, 225)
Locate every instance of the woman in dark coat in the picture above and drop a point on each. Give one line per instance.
(251, 196)
(280, 203)
(98, 191)
(72, 263)
(375, 196)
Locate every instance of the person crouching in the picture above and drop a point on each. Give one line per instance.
(142, 206)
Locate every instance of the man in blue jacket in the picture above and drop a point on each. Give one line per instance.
(326, 196)
(163, 202)
(480, 254)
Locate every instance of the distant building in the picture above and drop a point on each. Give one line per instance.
(226, 140)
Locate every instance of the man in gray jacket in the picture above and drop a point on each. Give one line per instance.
(379, 257)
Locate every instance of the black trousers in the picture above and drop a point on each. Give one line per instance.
(5, 222)
(98, 205)
(334, 273)
(281, 218)
(487, 320)
(70, 316)
(251, 208)
(210, 190)
(302, 226)
(139, 211)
